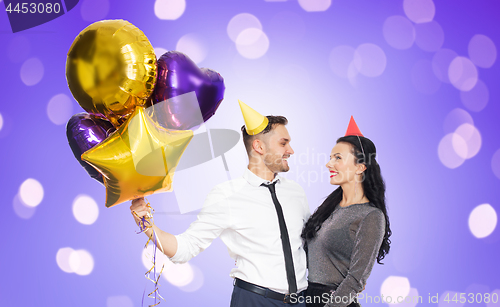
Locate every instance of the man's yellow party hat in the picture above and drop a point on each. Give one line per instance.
(254, 122)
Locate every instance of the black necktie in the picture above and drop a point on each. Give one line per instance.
(285, 241)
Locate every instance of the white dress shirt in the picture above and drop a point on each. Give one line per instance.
(242, 213)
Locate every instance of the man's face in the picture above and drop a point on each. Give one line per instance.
(277, 149)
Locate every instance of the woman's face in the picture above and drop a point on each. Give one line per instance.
(341, 165)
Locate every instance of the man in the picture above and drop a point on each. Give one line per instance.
(259, 217)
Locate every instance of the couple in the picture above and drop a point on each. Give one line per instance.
(265, 222)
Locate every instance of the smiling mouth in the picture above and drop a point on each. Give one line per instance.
(333, 174)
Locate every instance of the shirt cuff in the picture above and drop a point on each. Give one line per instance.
(177, 258)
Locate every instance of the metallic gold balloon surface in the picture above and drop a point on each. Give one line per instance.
(138, 159)
(111, 68)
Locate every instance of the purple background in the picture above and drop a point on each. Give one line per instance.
(429, 203)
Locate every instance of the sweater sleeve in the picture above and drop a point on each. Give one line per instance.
(366, 247)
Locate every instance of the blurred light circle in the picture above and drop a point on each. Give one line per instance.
(462, 73)
(159, 52)
(411, 300)
(62, 258)
(19, 49)
(60, 109)
(441, 62)
(1, 121)
(399, 32)
(94, 10)
(495, 163)
(315, 5)
(455, 119)
(423, 77)
(23, 211)
(119, 301)
(81, 262)
(31, 192)
(287, 27)
(477, 98)
(197, 282)
(419, 11)
(160, 259)
(370, 60)
(482, 221)
(85, 209)
(395, 286)
(446, 150)
(242, 22)
(193, 45)
(179, 275)
(169, 9)
(32, 71)
(429, 36)
(472, 138)
(252, 43)
(482, 51)
(494, 303)
(352, 73)
(251, 70)
(340, 58)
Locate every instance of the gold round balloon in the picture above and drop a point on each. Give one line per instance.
(111, 69)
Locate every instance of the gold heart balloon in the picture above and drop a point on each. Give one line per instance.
(111, 69)
(138, 159)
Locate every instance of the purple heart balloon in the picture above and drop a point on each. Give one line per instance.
(185, 96)
(84, 131)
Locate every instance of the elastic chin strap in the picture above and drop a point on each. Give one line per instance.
(364, 156)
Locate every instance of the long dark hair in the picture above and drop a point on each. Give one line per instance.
(373, 187)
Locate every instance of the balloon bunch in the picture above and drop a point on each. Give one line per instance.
(140, 110)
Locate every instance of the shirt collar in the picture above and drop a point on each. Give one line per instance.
(256, 181)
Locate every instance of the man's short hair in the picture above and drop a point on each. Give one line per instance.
(273, 121)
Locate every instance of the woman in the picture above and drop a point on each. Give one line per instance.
(350, 230)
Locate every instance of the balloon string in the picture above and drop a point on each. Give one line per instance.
(146, 223)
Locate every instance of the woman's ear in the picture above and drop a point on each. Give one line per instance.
(360, 168)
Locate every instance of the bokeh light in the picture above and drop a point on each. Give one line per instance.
(119, 301)
(169, 9)
(252, 43)
(395, 286)
(1, 121)
(370, 60)
(340, 59)
(179, 275)
(495, 163)
(62, 259)
(315, 5)
(160, 259)
(429, 36)
(19, 49)
(241, 22)
(197, 282)
(455, 119)
(495, 299)
(419, 11)
(60, 109)
(463, 73)
(32, 71)
(94, 10)
(81, 262)
(441, 63)
(193, 46)
(423, 78)
(85, 209)
(446, 150)
(20, 208)
(399, 32)
(31, 192)
(472, 138)
(482, 51)
(159, 51)
(411, 300)
(477, 98)
(482, 220)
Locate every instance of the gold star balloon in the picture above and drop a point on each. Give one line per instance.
(111, 68)
(138, 159)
